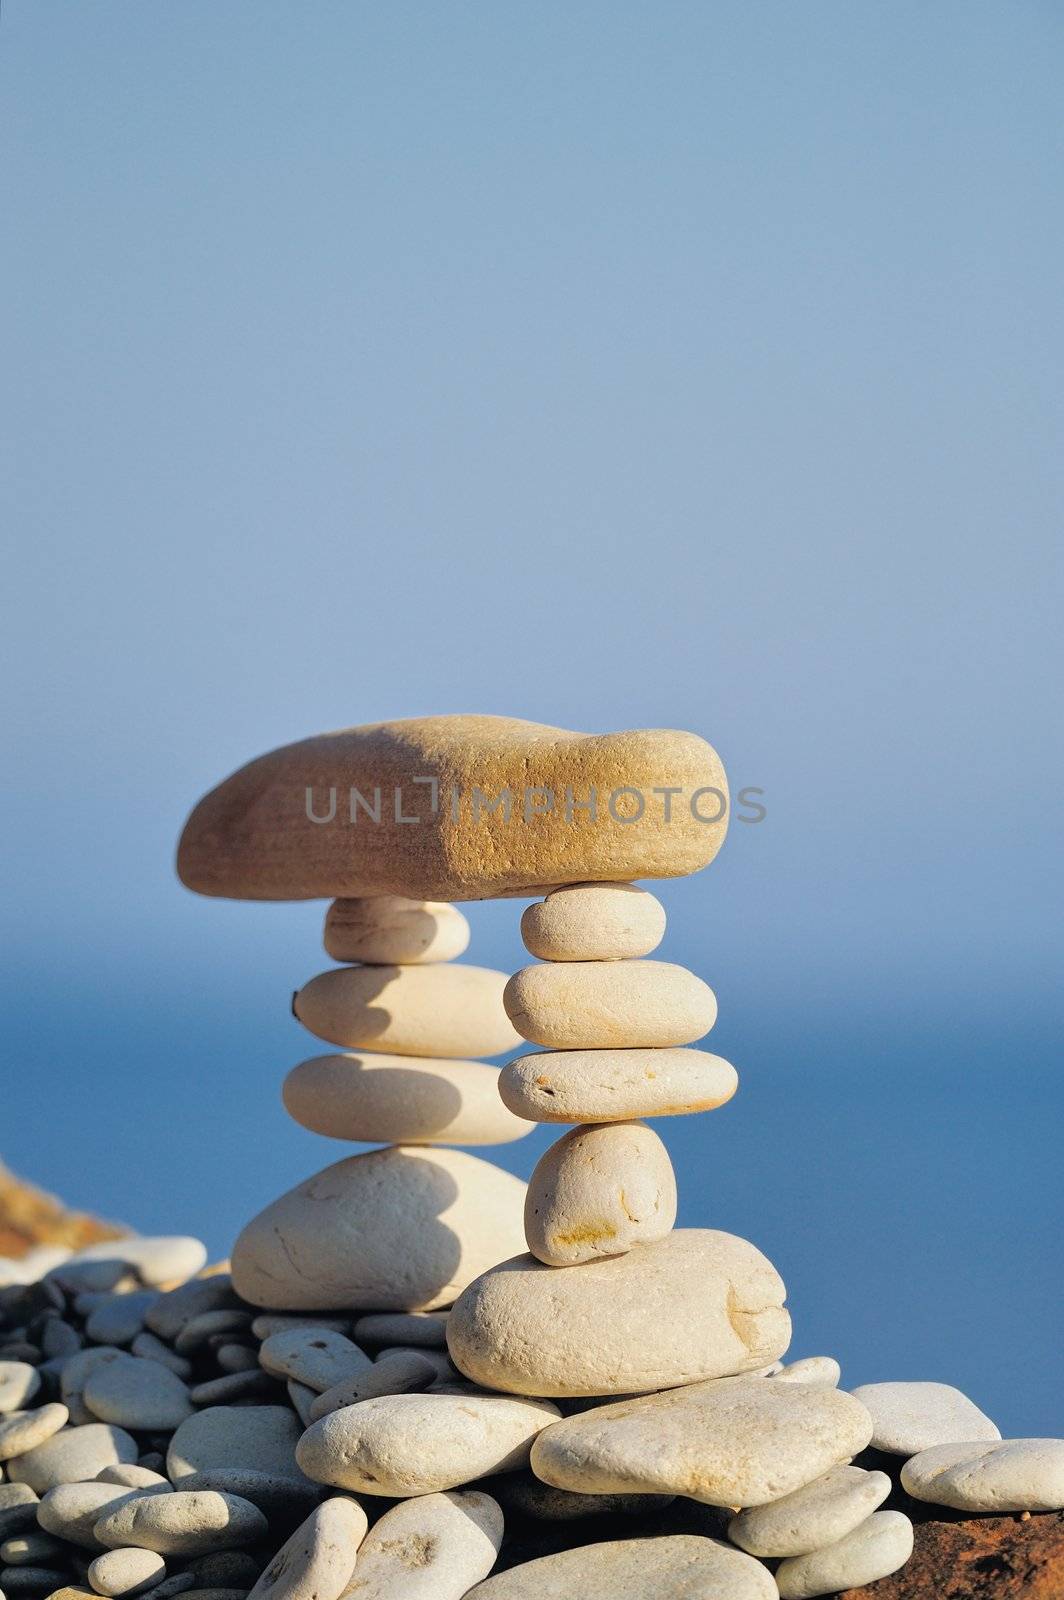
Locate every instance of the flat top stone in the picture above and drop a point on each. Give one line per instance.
(431, 1548)
(136, 1392)
(668, 1567)
(999, 1475)
(253, 837)
(818, 1514)
(873, 1550)
(262, 1438)
(910, 1417)
(730, 1442)
(73, 1455)
(182, 1523)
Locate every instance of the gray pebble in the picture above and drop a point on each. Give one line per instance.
(197, 1330)
(173, 1310)
(263, 1438)
(59, 1339)
(120, 1317)
(270, 1322)
(18, 1508)
(183, 1523)
(279, 1499)
(19, 1382)
(402, 1373)
(236, 1358)
(232, 1386)
(74, 1455)
(317, 1357)
(146, 1344)
(71, 1510)
(128, 1475)
(417, 1329)
(137, 1393)
(32, 1580)
(23, 1431)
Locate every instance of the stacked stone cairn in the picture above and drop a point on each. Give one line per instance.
(419, 1380)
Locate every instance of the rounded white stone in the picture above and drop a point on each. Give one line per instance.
(163, 1259)
(731, 1442)
(430, 1548)
(402, 1372)
(182, 1524)
(615, 1085)
(451, 1010)
(21, 1431)
(130, 1476)
(874, 1550)
(73, 1455)
(19, 1382)
(391, 931)
(599, 1191)
(1003, 1475)
(318, 1560)
(820, 1513)
(588, 1005)
(125, 1572)
(682, 1566)
(812, 1369)
(402, 1229)
(137, 1393)
(319, 1358)
(410, 1100)
(697, 1304)
(72, 1510)
(412, 1444)
(910, 1417)
(594, 922)
(262, 1438)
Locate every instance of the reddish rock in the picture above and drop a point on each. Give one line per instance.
(981, 1558)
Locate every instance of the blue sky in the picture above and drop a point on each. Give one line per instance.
(610, 365)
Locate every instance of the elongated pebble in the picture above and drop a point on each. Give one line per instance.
(19, 1382)
(71, 1510)
(450, 1010)
(587, 1005)
(157, 1260)
(231, 1387)
(182, 1523)
(390, 930)
(73, 1455)
(615, 1085)
(34, 1547)
(317, 1357)
(817, 1514)
(262, 1438)
(415, 1100)
(177, 1306)
(669, 1567)
(597, 1192)
(432, 1548)
(910, 1417)
(811, 1369)
(875, 1549)
(136, 1392)
(280, 1499)
(129, 1475)
(594, 922)
(317, 1561)
(32, 1580)
(21, 1431)
(404, 1372)
(427, 1328)
(999, 1475)
(126, 1572)
(270, 1322)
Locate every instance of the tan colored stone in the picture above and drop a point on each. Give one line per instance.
(598, 1192)
(402, 1229)
(409, 1100)
(316, 1563)
(21, 1431)
(872, 1551)
(252, 839)
(680, 1566)
(818, 1514)
(391, 931)
(588, 1005)
(594, 922)
(430, 1548)
(398, 1372)
(697, 1304)
(443, 1011)
(185, 1523)
(615, 1085)
(126, 1572)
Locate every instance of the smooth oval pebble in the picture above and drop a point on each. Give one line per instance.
(73, 1455)
(811, 1369)
(431, 1548)
(126, 1571)
(19, 1382)
(428, 1328)
(182, 1524)
(71, 1510)
(451, 1010)
(153, 1349)
(160, 1259)
(404, 1372)
(594, 922)
(910, 1417)
(392, 931)
(872, 1551)
(261, 1438)
(137, 1393)
(21, 1431)
(282, 1500)
(589, 1005)
(412, 1444)
(318, 1560)
(116, 1318)
(402, 1229)
(818, 1514)
(316, 1357)
(681, 1566)
(615, 1085)
(697, 1304)
(1003, 1475)
(410, 1100)
(130, 1476)
(599, 1191)
(730, 1442)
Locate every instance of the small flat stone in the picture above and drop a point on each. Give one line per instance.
(32, 1580)
(302, 1399)
(402, 1229)
(73, 1455)
(428, 1328)
(129, 1475)
(19, 1382)
(431, 1548)
(910, 1417)
(414, 1444)
(588, 1005)
(875, 1549)
(153, 1349)
(405, 1372)
(262, 1438)
(1003, 1475)
(697, 1304)
(158, 1260)
(615, 1085)
(182, 1524)
(415, 1100)
(71, 1511)
(818, 1514)
(452, 1010)
(236, 1358)
(137, 1393)
(731, 1442)
(21, 1431)
(172, 1310)
(594, 922)
(280, 1499)
(811, 1369)
(597, 1192)
(126, 1572)
(231, 1387)
(199, 1330)
(75, 1375)
(392, 931)
(316, 1357)
(318, 1560)
(268, 1323)
(446, 1371)
(118, 1318)
(681, 1566)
